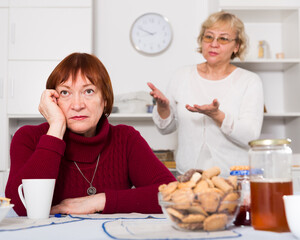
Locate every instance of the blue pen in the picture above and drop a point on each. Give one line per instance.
(59, 215)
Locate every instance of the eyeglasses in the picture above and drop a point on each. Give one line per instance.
(221, 40)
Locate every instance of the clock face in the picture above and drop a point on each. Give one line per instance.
(151, 33)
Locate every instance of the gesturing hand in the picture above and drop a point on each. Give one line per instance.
(211, 110)
(81, 205)
(163, 106)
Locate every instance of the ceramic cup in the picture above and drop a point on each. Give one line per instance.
(292, 211)
(37, 198)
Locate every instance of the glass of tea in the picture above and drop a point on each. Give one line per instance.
(270, 178)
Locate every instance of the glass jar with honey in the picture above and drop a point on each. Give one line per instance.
(270, 179)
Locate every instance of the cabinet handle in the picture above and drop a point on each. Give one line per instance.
(13, 33)
(1, 88)
(11, 87)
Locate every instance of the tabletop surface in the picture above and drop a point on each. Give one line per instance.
(88, 228)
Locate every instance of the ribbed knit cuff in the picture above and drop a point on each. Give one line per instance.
(111, 202)
(52, 144)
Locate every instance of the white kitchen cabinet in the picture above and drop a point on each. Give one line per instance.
(49, 33)
(39, 38)
(278, 24)
(3, 82)
(27, 80)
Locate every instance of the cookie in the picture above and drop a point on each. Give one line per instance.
(209, 201)
(215, 222)
(188, 184)
(232, 180)
(193, 218)
(195, 177)
(166, 190)
(186, 176)
(181, 196)
(175, 213)
(197, 208)
(210, 183)
(211, 172)
(200, 186)
(191, 226)
(222, 184)
(229, 203)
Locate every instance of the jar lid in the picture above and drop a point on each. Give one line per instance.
(239, 172)
(270, 142)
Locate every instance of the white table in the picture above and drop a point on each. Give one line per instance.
(92, 229)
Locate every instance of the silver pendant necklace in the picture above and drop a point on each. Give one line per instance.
(91, 190)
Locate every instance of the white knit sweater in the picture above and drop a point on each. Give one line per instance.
(201, 143)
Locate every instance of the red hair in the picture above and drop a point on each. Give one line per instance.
(91, 68)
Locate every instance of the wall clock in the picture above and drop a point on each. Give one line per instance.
(151, 34)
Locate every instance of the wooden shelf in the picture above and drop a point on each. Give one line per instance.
(282, 115)
(25, 116)
(267, 64)
(142, 116)
(113, 116)
(130, 116)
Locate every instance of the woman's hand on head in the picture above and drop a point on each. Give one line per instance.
(212, 110)
(81, 205)
(163, 104)
(52, 113)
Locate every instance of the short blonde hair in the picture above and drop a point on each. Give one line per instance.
(233, 22)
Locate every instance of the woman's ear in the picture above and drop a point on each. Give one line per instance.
(236, 49)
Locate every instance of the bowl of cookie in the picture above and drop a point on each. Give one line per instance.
(5, 206)
(200, 200)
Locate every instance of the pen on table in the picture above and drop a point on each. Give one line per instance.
(59, 215)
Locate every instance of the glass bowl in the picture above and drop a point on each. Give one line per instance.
(205, 211)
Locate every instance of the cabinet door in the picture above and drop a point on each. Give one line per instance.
(4, 149)
(49, 33)
(27, 81)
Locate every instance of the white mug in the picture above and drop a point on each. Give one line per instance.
(292, 212)
(37, 199)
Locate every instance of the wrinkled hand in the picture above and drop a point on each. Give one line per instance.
(163, 104)
(53, 114)
(211, 110)
(81, 205)
(48, 106)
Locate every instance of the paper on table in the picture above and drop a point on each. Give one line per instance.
(20, 223)
(156, 229)
(117, 216)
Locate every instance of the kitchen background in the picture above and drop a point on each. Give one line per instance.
(37, 34)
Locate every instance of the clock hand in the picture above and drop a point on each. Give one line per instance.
(150, 33)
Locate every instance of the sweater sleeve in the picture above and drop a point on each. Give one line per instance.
(146, 172)
(32, 156)
(246, 125)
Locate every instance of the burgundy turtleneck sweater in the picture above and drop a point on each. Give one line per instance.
(126, 160)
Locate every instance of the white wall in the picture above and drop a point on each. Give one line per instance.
(130, 70)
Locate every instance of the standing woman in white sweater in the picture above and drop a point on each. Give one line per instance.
(216, 107)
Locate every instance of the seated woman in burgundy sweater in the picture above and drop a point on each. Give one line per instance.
(95, 164)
